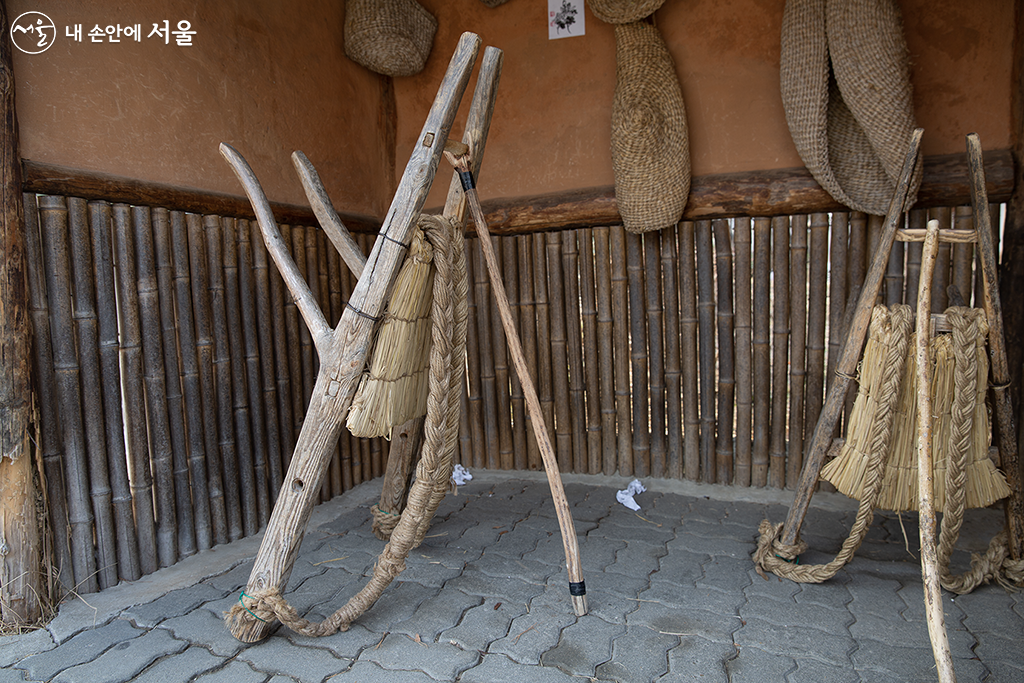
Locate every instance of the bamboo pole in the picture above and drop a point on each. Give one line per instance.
(780, 350)
(528, 325)
(724, 452)
(605, 355)
(673, 363)
(856, 256)
(233, 484)
(707, 348)
(86, 330)
(592, 380)
(574, 351)
(929, 560)
(620, 331)
(816, 302)
(202, 310)
(306, 355)
(943, 257)
(761, 351)
(474, 392)
(192, 396)
(545, 381)
(130, 331)
(838, 243)
(503, 384)
(336, 309)
(184, 509)
(266, 313)
(894, 275)
(559, 353)
(744, 405)
(516, 398)
(798, 346)
(656, 350)
(488, 382)
(688, 326)
(290, 359)
(638, 355)
(917, 219)
(963, 254)
(160, 455)
(251, 368)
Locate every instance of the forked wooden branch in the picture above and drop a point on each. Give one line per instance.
(339, 235)
(343, 353)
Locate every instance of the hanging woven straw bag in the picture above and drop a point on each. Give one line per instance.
(845, 82)
(390, 37)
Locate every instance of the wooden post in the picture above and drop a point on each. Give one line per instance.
(20, 546)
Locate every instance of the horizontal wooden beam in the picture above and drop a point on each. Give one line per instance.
(57, 180)
(748, 193)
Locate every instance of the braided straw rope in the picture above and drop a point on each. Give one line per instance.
(894, 327)
(436, 460)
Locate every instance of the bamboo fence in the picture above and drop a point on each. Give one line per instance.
(173, 371)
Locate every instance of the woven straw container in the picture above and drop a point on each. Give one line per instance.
(390, 37)
(623, 11)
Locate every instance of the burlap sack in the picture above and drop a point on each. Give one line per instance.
(390, 37)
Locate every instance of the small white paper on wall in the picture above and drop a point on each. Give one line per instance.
(565, 19)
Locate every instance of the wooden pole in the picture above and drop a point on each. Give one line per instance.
(761, 346)
(688, 332)
(798, 346)
(673, 358)
(707, 349)
(724, 451)
(605, 349)
(620, 331)
(656, 350)
(574, 350)
(744, 373)
(638, 355)
(21, 585)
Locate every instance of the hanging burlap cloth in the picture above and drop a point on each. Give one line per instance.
(846, 91)
(390, 37)
(650, 143)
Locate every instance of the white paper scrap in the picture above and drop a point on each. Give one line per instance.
(460, 475)
(625, 496)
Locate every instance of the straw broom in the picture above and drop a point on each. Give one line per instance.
(985, 484)
(394, 389)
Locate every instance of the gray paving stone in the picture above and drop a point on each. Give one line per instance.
(518, 541)
(537, 631)
(723, 602)
(775, 587)
(990, 609)
(280, 656)
(641, 654)
(813, 671)
(11, 675)
(682, 623)
(498, 667)
(431, 569)
(125, 660)
(1003, 656)
(583, 646)
(796, 640)
(698, 659)
(785, 612)
(398, 603)
(649, 532)
(172, 604)
(638, 559)
(16, 647)
(344, 644)
(504, 567)
(832, 594)
(234, 672)
(482, 625)
(727, 573)
(437, 614)
(596, 553)
(80, 648)
(369, 672)
(681, 568)
(441, 661)
(508, 589)
(706, 544)
(753, 665)
(908, 663)
(181, 667)
(233, 579)
(616, 586)
(203, 627)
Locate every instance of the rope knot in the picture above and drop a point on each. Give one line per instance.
(384, 522)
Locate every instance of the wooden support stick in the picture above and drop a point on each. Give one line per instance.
(926, 499)
(847, 364)
(577, 588)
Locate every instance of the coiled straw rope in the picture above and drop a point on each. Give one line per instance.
(448, 340)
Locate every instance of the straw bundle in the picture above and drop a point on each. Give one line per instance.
(394, 390)
(984, 483)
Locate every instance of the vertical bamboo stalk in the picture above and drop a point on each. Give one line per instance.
(559, 355)
(979, 275)
(474, 392)
(726, 361)
(620, 331)
(351, 467)
(656, 350)
(503, 383)
(706, 334)
(266, 316)
(605, 354)
(306, 355)
(545, 382)
(110, 370)
(856, 258)
(516, 398)
(816, 300)
(83, 312)
(172, 379)
(161, 458)
(203, 312)
(688, 326)
(574, 351)
(761, 350)
(798, 350)
(641, 427)
(192, 396)
(223, 376)
(528, 329)
(377, 456)
(894, 275)
(963, 254)
(673, 367)
(917, 219)
(940, 279)
(251, 368)
(51, 443)
(130, 334)
(780, 348)
(588, 311)
(838, 243)
(744, 406)
(488, 381)
(336, 308)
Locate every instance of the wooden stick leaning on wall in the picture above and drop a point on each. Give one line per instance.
(577, 588)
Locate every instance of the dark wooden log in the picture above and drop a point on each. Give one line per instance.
(517, 400)
(528, 332)
(816, 302)
(761, 351)
(192, 395)
(488, 385)
(267, 316)
(780, 350)
(172, 380)
(724, 452)
(87, 333)
(673, 360)
(655, 349)
(474, 391)
(203, 313)
(223, 376)
(574, 351)
(620, 332)
(559, 355)
(545, 382)
(51, 443)
(688, 327)
(744, 370)
(605, 354)
(707, 348)
(798, 346)
(134, 393)
(641, 427)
